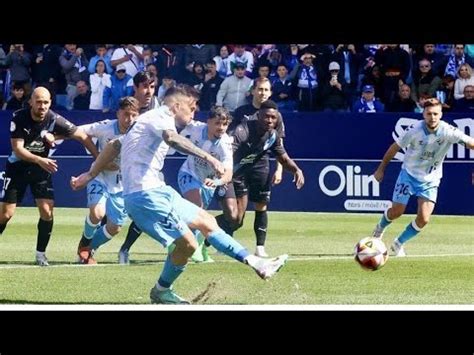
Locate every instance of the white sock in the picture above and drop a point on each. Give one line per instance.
(40, 254)
(260, 249)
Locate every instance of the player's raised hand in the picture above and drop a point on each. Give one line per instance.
(81, 181)
(299, 179)
(48, 164)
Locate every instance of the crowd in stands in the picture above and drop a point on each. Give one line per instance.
(305, 77)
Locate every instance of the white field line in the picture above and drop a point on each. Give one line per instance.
(292, 258)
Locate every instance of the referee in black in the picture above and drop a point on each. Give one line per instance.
(33, 131)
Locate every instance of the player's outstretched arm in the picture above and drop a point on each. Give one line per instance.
(389, 155)
(290, 165)
(185, 146)
(110, 152)
(86, 140)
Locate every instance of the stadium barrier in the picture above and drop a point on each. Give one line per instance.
(337, 152)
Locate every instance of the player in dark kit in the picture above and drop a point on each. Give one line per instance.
(33, 132)
(254, 139)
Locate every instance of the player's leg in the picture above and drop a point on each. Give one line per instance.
(96, 198)
(229, 219)
(401, 195)
(45, 227)
(117, 216)
(42, 190)
(154, 212)
(200, 219)
(259, 192)
(427, 194)
(132, 235)
(12, 191)
(7, 210)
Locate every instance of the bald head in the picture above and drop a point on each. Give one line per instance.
(40, 102)
(41, 91)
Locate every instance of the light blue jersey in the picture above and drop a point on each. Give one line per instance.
(425, 151)
(157, 209)
(105, 131)
(195, 170)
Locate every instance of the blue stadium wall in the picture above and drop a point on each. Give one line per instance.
(337, 152)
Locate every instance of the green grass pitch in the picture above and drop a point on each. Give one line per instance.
(320, 271)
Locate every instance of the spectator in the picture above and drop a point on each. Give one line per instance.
(101, 54)
(333, 91)
(368, 103)
(424, 81)
(446, 94)
(19, 63)
(420, 105)
(170, 60)
(46, 69)
(234, 89)
(129, 55)
(83, 99)
(99, 81)
(349, 61)
(403, 102)
(196, 77)
(198, 53)
(394, 64)
(241, 55)
(307, 77)
(223, 62)
(74, 65)
(121, 85)
(18, 99)
(283, 90)
(464, 78)
(455, 61)
(437, 60)
(212, 84)
(166, 83)
(466, 104)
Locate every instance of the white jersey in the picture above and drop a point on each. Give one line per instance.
(425, 151)
(105, 131)
(144, 150)
(221, 149)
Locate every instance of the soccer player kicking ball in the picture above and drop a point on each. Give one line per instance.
(158, 209)
(426, 143)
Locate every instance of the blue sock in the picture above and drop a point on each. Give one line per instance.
(90, 228)
(170, 273)
(227, 245)
(100, 237)
(410, 231)
(384, 221)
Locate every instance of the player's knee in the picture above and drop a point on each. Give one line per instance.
(186, 247)
(422, 221)
(95, 216)
(46, 214)
(395, 213)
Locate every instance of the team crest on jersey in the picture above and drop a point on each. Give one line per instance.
(12, 126)
(221, 191)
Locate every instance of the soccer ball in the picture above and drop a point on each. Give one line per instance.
(371, 253)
